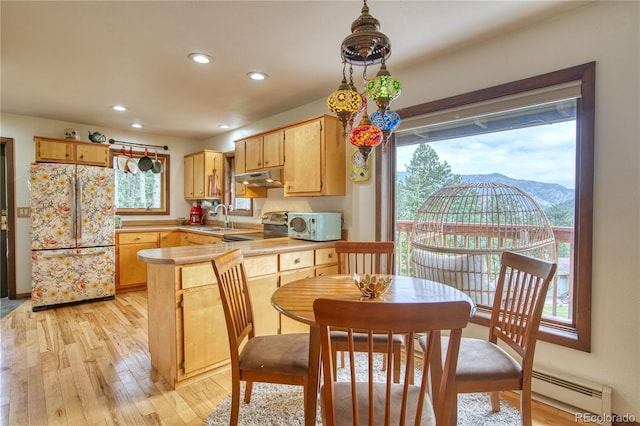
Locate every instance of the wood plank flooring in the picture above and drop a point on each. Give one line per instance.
(89, 364)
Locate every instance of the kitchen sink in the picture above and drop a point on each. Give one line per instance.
(215, 229)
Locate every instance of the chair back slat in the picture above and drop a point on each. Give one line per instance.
(388, 402)
(522, 288)
(236, 301)
(366, 257)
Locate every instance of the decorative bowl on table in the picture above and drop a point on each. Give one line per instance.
(372, 285)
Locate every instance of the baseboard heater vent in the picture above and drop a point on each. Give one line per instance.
(575, 395)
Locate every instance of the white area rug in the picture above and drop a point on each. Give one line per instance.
(282, 405)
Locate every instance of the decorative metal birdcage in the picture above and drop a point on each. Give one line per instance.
(460, 231)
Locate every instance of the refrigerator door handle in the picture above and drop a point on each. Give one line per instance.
(80, 188)
(73, 207)
(52, 255)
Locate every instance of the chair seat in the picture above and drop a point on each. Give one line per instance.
(481, 361)
(341, 336)
(278, 353)
(344, 415)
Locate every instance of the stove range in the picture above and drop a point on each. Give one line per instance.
(275, 225)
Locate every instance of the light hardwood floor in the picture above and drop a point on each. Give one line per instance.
(89, 364)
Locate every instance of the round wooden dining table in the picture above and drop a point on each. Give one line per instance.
(295, 300)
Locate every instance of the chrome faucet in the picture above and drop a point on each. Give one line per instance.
(227, 222)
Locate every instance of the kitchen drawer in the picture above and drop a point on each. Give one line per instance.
(197, 275)
(137, 237)
(256, 266)
(327, 270)
(326, 256)
(198, 239)
(297, 260)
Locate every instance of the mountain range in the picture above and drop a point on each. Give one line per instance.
(545, 194)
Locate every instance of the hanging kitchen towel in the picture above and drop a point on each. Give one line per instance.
(214, 188)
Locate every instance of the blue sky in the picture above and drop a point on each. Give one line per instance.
(540, 153)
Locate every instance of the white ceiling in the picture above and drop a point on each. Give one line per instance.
(72, 61)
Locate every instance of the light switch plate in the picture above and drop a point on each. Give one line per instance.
(23, 211)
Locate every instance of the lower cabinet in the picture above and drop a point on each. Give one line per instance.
(294, 266)
(326, 262)
(187, 327)
(173, 239)
(131, 274)
(202, 317)
(194, 239)
(262, 277)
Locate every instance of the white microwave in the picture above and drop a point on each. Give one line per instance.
(319, 226)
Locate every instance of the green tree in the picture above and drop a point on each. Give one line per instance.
(425, 175)
(559, 215)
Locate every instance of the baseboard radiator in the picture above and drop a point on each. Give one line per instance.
(574, 395)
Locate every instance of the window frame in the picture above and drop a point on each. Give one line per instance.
(166, 186)
(229, 187)
(578, 334)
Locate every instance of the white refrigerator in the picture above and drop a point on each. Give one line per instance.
(72, 234)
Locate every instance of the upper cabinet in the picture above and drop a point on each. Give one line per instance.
(264, 151)
(311, 152)
(314, 158)
(50, 150)
(203, 175)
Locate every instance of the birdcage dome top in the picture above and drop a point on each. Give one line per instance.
(480, 217)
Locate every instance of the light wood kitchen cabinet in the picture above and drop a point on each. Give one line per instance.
(173, 239)
(239, 164)
(184, 297)
(262, 279)
(131, 273)
(187, 328)
(326, 262)
(194, 239)
(314, 158)
(198, 167)
(264, 151)
(294, 266)
(201, 316)
(50, 150)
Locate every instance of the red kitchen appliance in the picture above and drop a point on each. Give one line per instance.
(196, 216)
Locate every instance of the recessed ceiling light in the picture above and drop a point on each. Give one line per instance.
(223, 126)
(200, 58)
(257, 75)
(119, 107)
(136, 125)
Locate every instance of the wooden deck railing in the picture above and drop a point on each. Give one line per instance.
(564, 238)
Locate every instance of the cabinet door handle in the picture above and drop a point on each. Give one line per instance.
(297, 260)
(330, 255)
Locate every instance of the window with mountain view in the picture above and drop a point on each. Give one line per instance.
(531, 148)
(535, 135)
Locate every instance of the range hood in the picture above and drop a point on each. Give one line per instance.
(264, 178)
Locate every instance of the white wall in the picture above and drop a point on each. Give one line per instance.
(605, 32)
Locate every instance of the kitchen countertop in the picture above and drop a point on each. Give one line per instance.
(204, 253)
(186, 228)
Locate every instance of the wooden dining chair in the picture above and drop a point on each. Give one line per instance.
(367, 400)
(375, 257)
(282, 358)
(483, 366)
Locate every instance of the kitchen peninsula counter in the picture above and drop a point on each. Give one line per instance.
(187, 329)
(205, 253)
